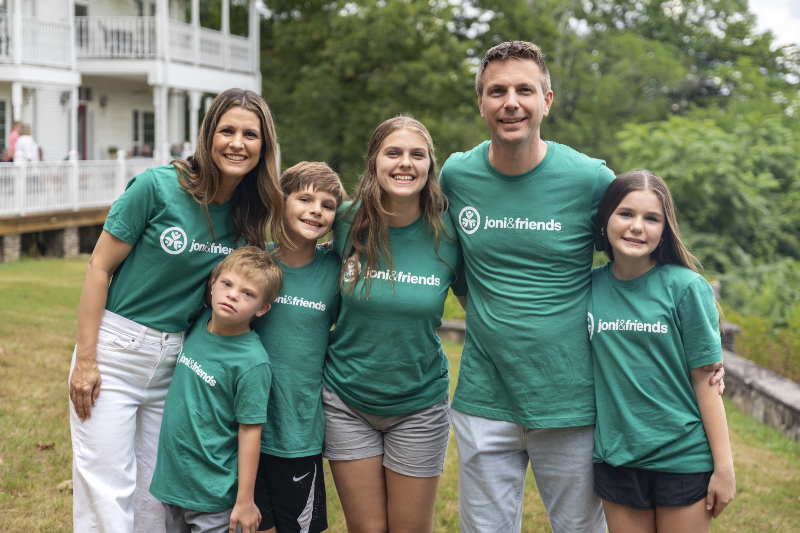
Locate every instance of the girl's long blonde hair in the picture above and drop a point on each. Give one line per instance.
(258, 200)
(369, 231)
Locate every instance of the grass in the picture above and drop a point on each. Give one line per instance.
(37, 329)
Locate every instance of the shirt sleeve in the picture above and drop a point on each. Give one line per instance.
(459, 285)
(131, 212)
(699, 325)
(604, 179)
(252, 393)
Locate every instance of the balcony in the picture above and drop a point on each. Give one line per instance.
(138, 37)
(41, 42)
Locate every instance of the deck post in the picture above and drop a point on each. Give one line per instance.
(73, 177)
(20, 186)
(120, 185)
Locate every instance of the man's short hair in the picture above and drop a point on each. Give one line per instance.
(514, 50)
(256, 265)
(318, 176)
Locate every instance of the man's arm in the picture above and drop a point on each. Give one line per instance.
(245, 512)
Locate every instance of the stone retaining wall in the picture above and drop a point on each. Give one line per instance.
(763, 394)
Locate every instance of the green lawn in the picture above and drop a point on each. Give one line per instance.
(37, 328)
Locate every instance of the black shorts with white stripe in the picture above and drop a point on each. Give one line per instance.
(290, 494)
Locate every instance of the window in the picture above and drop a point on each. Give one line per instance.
(80, 10)
(149, 133)
(3, 136)
(136, 127)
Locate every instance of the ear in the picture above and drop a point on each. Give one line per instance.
(263, 310)
(548, 101)
(480, 105)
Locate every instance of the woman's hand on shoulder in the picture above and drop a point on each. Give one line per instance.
(716, 378)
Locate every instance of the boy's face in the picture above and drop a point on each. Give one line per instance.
(309, 214)
(236, 300)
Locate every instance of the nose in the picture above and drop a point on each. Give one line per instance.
(236, 141)
(405, 162)
(511, 100)
(636, 224)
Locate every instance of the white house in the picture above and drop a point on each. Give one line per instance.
(108, 87)
(94, 76)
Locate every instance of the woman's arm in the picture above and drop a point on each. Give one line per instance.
(722, 486)
(84, 385)
(245, 512)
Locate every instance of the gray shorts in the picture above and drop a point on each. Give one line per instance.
(180, 520)
(414, 444)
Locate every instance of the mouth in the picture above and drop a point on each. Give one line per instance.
(512, 120)
(234, 158)
(403, 178)
(227, 307)
(632, 240)
(312, 223)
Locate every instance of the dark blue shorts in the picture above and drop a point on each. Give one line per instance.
(647, 489)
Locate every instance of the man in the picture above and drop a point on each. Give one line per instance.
(526, 211)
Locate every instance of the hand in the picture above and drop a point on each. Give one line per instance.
(716, 378)
(721, 489)
(247, 515)
(84, 387)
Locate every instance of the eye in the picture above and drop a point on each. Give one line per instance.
(421, 155)
(248, 294)
(330, 207)
(653, 219)
(251, 135)
(225, 131)
(392, 153)
(226, 283)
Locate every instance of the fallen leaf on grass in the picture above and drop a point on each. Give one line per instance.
(65, 485)
(42, 447)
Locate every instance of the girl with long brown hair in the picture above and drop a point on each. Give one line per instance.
(662, 456)
(386, 378)
(144, 285)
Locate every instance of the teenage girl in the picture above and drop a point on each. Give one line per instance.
(662, 457)
(161, 240)
(386, 381)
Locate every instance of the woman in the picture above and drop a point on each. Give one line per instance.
(160, 242)
(25, 148)
(386, 381)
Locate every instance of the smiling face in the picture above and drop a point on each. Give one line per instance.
(236, 300)
(402, 165)
(236, 146)
(636, 226)
(513, 103)
(309, 215)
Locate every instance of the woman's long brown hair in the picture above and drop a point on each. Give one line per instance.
(672, 251)
(369, 232)
(258, 200)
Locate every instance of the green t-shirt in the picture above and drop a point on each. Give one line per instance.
(219, 383)
(384, 357)
(162, 282)
(528, 245)
(647, 334)
(295, 334)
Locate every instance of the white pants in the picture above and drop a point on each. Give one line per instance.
(114, 451)
(493, 458)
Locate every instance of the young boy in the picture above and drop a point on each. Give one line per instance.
(290, 486)
(219, 390)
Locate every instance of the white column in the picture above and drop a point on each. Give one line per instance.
(160, 105)
(226, 31)
(176, 118)
(194, 111)
(196, 30)
(162, 27)
(71, 17)
(17, 32)
(255, 40)
(73, 123)
(16, 100)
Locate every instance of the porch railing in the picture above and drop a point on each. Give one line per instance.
(56, 186)
(6, 50)
(125, 37)
(46, 42)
